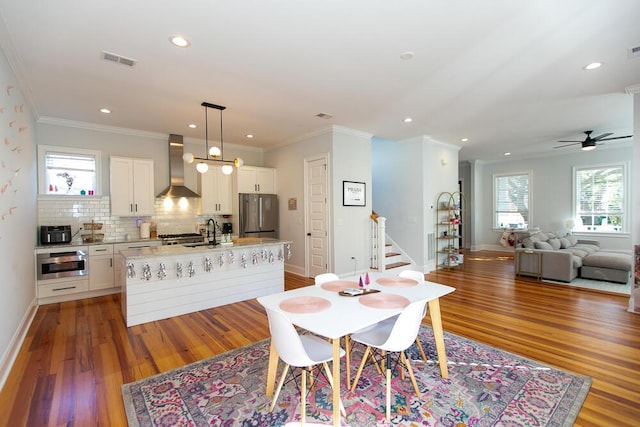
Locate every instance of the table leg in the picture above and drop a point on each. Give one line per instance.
(438, 335)
(271, 370)
(336, 382)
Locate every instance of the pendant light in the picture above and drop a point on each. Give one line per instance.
(213, 154)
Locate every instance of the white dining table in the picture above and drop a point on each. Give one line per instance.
(346, 315)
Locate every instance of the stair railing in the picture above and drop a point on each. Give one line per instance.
(378, 242)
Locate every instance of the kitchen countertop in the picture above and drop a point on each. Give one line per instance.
(78, 242)
(185, 250)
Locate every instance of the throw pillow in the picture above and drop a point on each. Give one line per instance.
(542, 237)
(555, 243)
(543, 245)
(565, 243)
(528, 243)
(573, 239)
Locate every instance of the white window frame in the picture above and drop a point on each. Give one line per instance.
(496, 177)
(42, 153)
(626, 191)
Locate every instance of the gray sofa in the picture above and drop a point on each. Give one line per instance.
(564, 258)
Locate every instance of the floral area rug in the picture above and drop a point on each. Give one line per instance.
(486, 387)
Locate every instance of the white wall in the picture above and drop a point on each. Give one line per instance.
(349, 153)
(407, 178)
(289, 163)
(17, 215)
(351, 161)
(550, 192)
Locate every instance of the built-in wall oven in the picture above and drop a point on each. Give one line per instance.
(60, 263)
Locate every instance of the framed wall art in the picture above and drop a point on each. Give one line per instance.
(353, 193)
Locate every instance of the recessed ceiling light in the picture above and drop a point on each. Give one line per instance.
(249, 136)
(179, 41)
(507, 154)
(464, 139)
(408, 120)
(593, 66)
(193, 125)
(407, 55)
(105, 110)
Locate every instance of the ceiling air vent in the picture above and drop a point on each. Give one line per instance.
(634, 52)
(108, 56)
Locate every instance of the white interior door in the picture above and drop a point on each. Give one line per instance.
(317, 216)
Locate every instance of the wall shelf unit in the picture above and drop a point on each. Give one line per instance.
(449, 214)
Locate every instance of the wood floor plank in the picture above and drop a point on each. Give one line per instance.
(77, 354)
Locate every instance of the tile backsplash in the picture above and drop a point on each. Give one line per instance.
(171, 216)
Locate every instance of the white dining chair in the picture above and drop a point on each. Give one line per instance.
(419, 276)
(299, 351)
(325, 277)
(392, 338)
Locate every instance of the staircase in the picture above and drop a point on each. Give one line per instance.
(394, 260)
(384, 255)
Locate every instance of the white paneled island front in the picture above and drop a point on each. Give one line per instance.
(166, 281)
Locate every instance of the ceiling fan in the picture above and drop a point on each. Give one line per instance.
(590, 143)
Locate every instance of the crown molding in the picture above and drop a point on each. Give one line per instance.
(633, 89)
(101, 128)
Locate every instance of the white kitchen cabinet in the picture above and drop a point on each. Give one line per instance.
(252, 179)
(101, 267)
(215, 192)
(132, 186)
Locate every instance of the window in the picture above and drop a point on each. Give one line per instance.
(600, 198)
(511, 200)
(68, 171)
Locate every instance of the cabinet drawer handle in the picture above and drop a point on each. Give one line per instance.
(101, 250)
(64, 289)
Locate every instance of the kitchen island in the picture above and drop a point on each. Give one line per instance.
(166, 281)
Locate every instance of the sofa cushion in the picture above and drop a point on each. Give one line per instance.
(587, 247)
(573, 239)
(613, 260)
(576, 251)
(555, 243)
(565, 243)
(576, 261)
(543, 245)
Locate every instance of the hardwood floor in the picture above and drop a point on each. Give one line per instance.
(78, 354)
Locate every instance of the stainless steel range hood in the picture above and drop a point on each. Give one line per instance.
(176, 170)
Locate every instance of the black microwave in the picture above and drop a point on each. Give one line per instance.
(55, 234)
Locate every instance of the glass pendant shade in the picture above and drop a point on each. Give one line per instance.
(238, 162)
(188, 157)
(214, 152)
(227, 169)
(202, 167)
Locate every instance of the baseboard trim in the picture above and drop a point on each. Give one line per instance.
(9, 358)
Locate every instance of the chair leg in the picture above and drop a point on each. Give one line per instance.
(360, 368)
(413, 378)
(388, 386)
(330, 379)
(424, 356)
(303, 397)
(280, 383)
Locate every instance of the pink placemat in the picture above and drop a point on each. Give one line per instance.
(382, 300)
(301, 305)
(338, 285)
(396, 282)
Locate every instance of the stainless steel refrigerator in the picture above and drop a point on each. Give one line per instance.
(258, 215)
